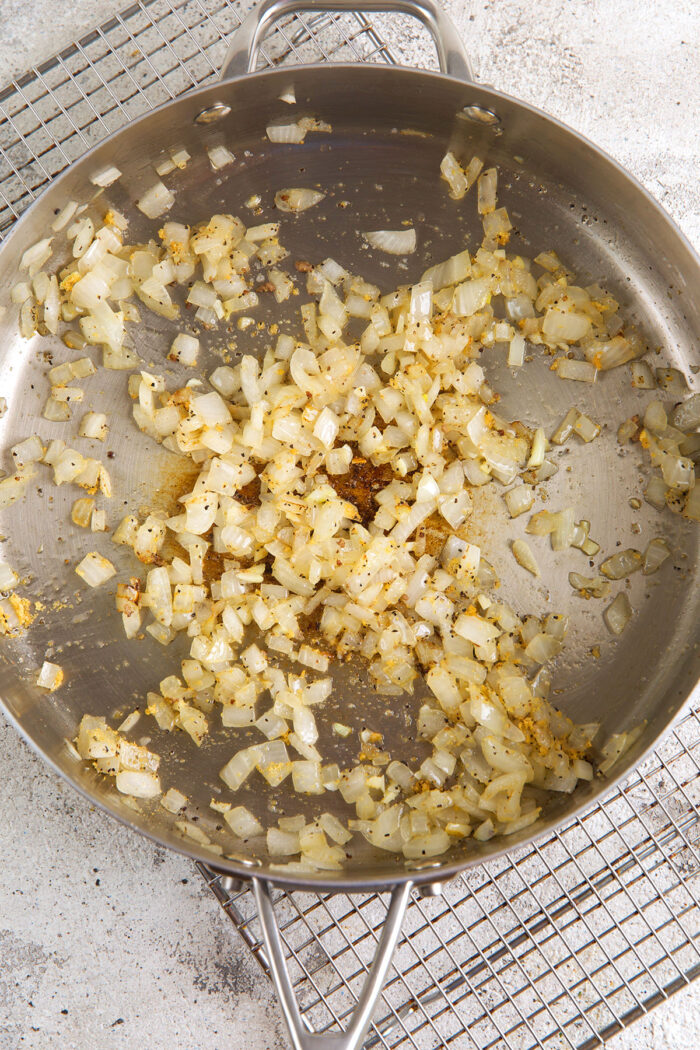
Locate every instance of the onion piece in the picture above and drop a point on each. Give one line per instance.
(594, 586)
(486, 186)
(691, 507)
(618, 614)
(35, 256)
(50, 676)
(94, 425)
(13, 487)
(686, 415)
(156, 201)
(281, 283)
(524, 556)
(239, 768)
(291, 133)
(622, 564)
(516, 351)
(453, 174)
(565, 326)
(455, 269)
(617, 746)
(28, 451)
(306, 777)
(642, 376)
(184, 349)
(81, 512)
(64, 216)
(586, 428)
(393, 242)
(655, 555)
(519, 500)
(173, 800)
(579, 371)
(297, 200)
(95, 569)
(219, 157)
(106, 176)
(242, 823)
(139, 783)
(8, 577)
(673, 382)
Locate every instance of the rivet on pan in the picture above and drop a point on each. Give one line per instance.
(213, 113)
(481, 115)
(229, 884)
(431, 889)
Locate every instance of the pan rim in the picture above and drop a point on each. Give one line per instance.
(435, 871)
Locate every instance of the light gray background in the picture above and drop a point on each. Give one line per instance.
(106, 940)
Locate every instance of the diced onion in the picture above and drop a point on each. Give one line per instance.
(580, 371)
(393, 242)
(486, 186)
(297, 200)
(622, 564)
(184, 349)
(219, 157)
(655, 555)
(524, 556)
(95, 569)
(140, 784)
(156, 201)
(35, 257)
(106, 176)
(383, 390)
(173, 800)
(618, 614)
(94, 425)
(242, 823)
(50, 676)
(285, 133)
(519, 500)
(453, 174)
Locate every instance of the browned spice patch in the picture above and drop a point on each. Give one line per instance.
(310, 626)
(176, 482)
(432, 535)
(249, 495)
(361, 483)
(213, 565)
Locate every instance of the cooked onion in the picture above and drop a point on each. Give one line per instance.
(156, 201)
(95, 569)
(272, 531)
(106, 176)
(296, 200)
(618, 614)
(622, 564)
(655, 555)
(50, 676)
(219, 157)
(394, 242)
(524, 556)
(285, 132)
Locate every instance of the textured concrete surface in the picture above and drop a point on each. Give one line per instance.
(106, 940)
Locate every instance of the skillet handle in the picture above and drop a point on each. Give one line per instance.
(353, 1036)
(243, 52)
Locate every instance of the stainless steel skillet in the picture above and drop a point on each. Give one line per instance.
(554, 171)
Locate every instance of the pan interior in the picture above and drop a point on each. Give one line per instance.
(379, 168)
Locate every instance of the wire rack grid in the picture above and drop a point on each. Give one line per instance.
(559, 945)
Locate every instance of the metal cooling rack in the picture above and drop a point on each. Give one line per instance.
(560, 945)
